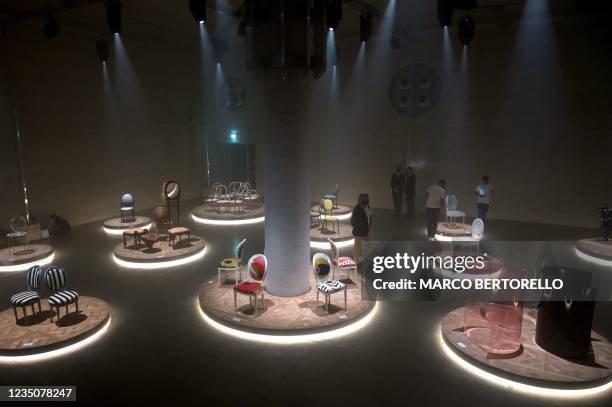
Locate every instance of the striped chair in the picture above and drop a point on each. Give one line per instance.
(60, 297)
(257, 265)
(127, 208)
(322, 267)
(30, 297)
(232, 264)
(341, 263)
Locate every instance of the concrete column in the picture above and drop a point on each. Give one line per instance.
(287, 184)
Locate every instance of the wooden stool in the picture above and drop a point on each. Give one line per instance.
(136, 233)
(178, 231)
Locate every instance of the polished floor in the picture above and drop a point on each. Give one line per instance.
(159, 351)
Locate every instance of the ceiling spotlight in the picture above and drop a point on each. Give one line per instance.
(395, 42)
(198, 10)
(445, 12)
(102, 50)
(113, 15)
(50, 26)
(467, 27)
(334, 13)
(365, 23)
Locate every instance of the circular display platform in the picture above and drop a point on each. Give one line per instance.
(250, 213)
(453, 231)
(285, 319)
(114, 226)
(23, 257)
(343, 211)
(41, 337)
(319, 236)
(595, 250)
(531, 369)
(161, 254)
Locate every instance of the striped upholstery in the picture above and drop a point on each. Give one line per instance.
(56, 278)
(63, 298)
(346, 262)
(33, 277)
(334, 251)
(25, 298)
(330, 286)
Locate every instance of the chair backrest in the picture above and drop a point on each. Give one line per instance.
(127, 201)
(33, 277)
(477, 228)
(238, 250)
(172, 190)
(336, 190)
(56, 278)
(233, 187)
(328, 206)
(334, 251)
(322, 267)
(258, 265)
(160, 215)
(451, 202)
(244, 189)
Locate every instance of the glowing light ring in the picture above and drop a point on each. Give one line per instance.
(291, 339)
(120, 231)
(159, 264)
(444, 238)
(590, 258)
(37, 357)
(325, 245)
(24, 266)
(228, 222)
(518, 387)
(341, 217)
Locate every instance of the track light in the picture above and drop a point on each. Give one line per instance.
(50, 26)
(395, 42)
(113, 15)
(365, 23)
(102, 50)
(198, 10)
(467, 27)
(445, 12)
(334, 13)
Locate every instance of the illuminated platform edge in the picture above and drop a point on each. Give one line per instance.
(595, 251)
(171, 258)
(515, 382)
(44, 255)
(228, 222)
(114, 226)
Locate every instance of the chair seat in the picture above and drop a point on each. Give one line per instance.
(249, 287)
(329, 196)
(63, 298)
(455, 213)
(330, 218)
(346, 262)
(178, 230)
(127, 208)
(229, 263)
(330, 286)
(25, 298)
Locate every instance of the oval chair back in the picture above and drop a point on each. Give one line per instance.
(477, 228)
(257, 266)
(238, 251)
(451, 202)
(127, 201)
(322, 267)
(328, 206)
(33, 277)
(234, 187)
(244, 190)
(160, 214)
(172, 190)
(335, 254)
(55, 278)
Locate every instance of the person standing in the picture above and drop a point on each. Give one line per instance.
(398, 181)
(410, 191)
(434, 204)
(361, 220)
(483, 192)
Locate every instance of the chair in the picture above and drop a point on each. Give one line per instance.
(452, 213)
(334, 196)
(127, 208)
(326, 215)
(341, 263)
(171, 191)
(322, 267)
(232, 263)
(161, 220)
(56, 281)
(30, 297)
(257, 266)
(469, 242)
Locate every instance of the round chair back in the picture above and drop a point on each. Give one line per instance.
(258, 265)
(334, 251)
(18, 224)
(33, 277)
(477, 228)
(451, 202)
(328, 205)
(233, 187)
(172, 189)
(322, 267)
(244, 190)
(238, 250)
(56, 278)
(160, 215)
(127, 201)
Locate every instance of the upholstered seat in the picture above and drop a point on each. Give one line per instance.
(322, 267)
(63, 298)
(232, 263)
(330, 286)
(127, 208)
(341, 263)
(25, 298)
(346, 262)
(229, 263)
(248, 287)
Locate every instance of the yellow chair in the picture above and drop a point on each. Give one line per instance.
(326, 214)
(232, 264)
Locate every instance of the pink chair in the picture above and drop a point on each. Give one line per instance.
(254, 286)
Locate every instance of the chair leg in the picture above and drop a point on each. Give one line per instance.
(255, 304)
(316, 304)
(345, 299)
(219, 277)
(77, 305)
(235, 302)
(15, 311)
(51, 314)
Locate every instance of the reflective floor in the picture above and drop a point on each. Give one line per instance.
(159, 350)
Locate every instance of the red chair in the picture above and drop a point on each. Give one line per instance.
(254, 286)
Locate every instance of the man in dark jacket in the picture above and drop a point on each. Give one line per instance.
(398, 182)
(361, 220)
(410, 191)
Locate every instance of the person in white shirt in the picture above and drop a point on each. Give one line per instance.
(434, 204)
(483, 192)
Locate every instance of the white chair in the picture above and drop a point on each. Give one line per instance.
(322, 268)
(467, 243)
(232, 264)
(341, 263)
(452, 213)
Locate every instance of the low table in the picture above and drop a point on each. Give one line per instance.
(178, 231)
(136, 233)
(150, 239)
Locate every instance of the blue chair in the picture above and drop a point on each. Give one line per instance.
(30, 297)
(127, 208)
(56, 281)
